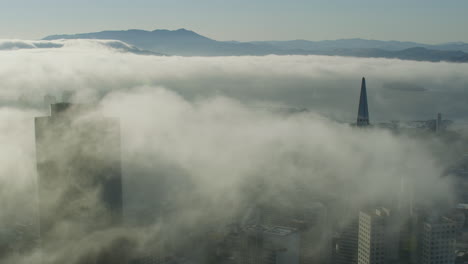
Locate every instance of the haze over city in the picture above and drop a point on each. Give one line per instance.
(265, 132)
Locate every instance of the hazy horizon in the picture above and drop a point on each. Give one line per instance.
(429, 22)
(252, 40)
(170, 148)
(203, 145)
(232, 39)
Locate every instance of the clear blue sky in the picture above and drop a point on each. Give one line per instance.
(429, 21)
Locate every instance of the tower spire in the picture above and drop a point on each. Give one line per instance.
(363, 112)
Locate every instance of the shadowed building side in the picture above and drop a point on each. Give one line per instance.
(79, 172)
(363, 111)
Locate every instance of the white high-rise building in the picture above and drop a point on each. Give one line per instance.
(437, 241)
(271, 245)
(315, 234)
(377, 239)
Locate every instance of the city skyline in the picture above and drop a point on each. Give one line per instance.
(172, 147)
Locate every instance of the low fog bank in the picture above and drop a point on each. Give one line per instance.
(203, 143)
(404, 90)
(191, 168)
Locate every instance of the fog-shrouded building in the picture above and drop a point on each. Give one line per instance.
(437, 240)
(315, 230)
(345, 244)
(271, 245)
(363, 110)
(378, 239)
(79, 172)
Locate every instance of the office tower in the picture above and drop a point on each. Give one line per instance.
(377, 239)
(346, 244)
(315, 234)
(282, 244)
(438, 123)
(403, 213)
(363, 111)
(462, 209)
(79, 172)
(271, 245)
(437, 240)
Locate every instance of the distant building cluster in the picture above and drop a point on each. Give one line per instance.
(80, 181)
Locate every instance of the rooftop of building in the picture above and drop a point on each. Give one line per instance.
(462, 206)
(273, 230)
(69, 108)
(439, 220)
(377, 212)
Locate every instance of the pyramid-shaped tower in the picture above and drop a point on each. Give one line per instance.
(363, 111)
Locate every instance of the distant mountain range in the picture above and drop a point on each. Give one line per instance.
(188, 43)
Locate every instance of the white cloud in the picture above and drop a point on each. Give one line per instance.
(194, 136)
(325, 84)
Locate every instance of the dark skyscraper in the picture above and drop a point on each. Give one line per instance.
(79, 172)
(363, 112)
